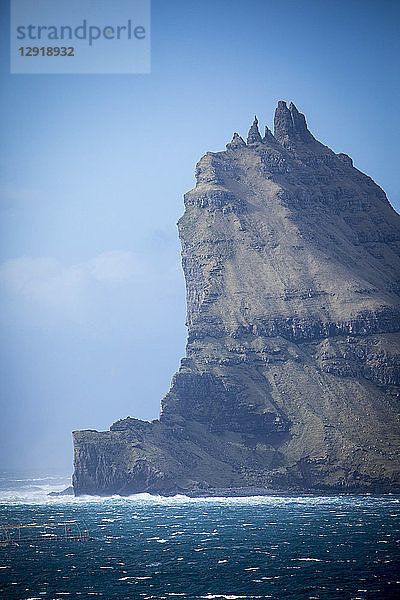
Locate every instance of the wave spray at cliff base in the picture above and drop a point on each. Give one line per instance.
(20, 488)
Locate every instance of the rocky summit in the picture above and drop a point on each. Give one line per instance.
(290, 382)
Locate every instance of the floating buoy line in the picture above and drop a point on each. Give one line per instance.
(32, 533)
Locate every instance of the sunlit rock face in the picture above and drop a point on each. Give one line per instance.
(291, 375)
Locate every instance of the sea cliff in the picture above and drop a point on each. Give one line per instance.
(291, 258)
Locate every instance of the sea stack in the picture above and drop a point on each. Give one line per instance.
(291, 257)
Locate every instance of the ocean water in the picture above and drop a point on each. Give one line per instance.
(144, 547)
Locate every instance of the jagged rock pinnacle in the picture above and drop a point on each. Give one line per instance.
(254, 136)
(268, 137)
(283, 124)
(299, 123)
(237, 142)
(290, 124)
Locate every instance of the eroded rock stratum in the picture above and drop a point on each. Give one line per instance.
(291, 375)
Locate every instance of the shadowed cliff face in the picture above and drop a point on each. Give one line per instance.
(291, 375)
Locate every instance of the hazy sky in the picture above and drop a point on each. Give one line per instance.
(94, 168)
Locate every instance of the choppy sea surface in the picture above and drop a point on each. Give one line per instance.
(146, 547)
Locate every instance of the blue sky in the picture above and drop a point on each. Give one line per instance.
(94, 168)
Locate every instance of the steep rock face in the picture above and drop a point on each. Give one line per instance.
(291, 376)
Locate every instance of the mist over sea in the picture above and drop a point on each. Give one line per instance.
(146, 547)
